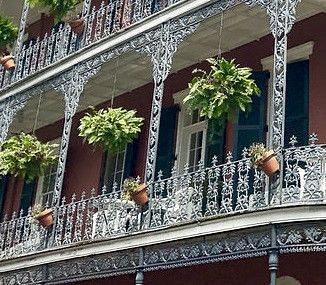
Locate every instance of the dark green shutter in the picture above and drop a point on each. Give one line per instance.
(3, 189)
(250, 127)
(215, 140)
(27, 195)
(297, 102)
(166, 144)
(130, 160)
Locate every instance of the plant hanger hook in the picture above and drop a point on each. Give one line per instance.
(220, 34)
(37, 114)
(114, 82)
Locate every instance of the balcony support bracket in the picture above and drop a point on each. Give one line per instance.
(282, 17)
(161, 53)
(72, 87)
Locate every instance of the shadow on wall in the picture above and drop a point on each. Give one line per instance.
(287, 280)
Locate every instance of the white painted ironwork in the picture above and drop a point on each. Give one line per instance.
(100, 23)
(211, 192)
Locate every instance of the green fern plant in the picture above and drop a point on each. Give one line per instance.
(222, 91)
(25, 156)
(57, 8)
(112, 128)
(8, 34)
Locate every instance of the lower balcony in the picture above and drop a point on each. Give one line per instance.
(215, 194)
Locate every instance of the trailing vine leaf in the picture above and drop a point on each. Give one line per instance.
(222, 91)
(112, 128)
(24, 155)
(8, 32)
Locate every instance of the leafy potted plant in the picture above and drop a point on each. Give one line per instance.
(61, 10)
(222, 91)
(42, 215)
(111, 128)
(263, 158)
(8, 35)
(134, 190)
(24, 155)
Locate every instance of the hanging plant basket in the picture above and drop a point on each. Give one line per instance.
(134, 190)
(8, 35)
(265, 159)
(112, 128)
(25, 156)
(221, 92)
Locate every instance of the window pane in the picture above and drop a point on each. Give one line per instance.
(246, 138)
(192, 158)
(120, 161)
(192, 141)
(200, 139)
(198, 155)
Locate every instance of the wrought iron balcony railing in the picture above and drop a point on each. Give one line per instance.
(209, 192)
(100, 23)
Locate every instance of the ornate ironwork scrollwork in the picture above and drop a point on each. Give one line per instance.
(72, 86)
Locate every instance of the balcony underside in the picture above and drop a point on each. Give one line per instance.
(99, 261)
(242, 25)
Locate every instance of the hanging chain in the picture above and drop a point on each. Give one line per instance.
(37, 114)
(219, 51)
(114, 82)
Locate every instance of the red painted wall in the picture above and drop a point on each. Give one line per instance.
(40, 27)
(307, 268)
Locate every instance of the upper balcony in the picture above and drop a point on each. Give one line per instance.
(107, 24)
(103, 21)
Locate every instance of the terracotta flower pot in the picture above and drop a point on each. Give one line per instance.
(77, 26)
(268, 163)
(8, 62)
(45, 218)
(140, 197)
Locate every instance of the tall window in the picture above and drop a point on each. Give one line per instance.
(114, 172)
(119, 166)
(193, 140)
(3, 189)
(46, 186)
(297, 102)
(46, 183)
(251, 126)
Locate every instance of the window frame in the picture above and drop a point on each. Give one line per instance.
(105, 173)
(184, 133)
(40, 182)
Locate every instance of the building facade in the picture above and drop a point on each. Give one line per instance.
(211, 218)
